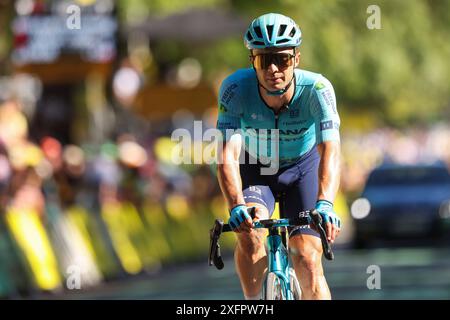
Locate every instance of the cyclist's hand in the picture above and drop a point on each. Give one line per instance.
(240, 220)
(332, 221)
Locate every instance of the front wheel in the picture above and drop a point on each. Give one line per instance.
(295, 286)
(274, 288)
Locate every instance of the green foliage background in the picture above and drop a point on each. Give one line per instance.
(399, 74)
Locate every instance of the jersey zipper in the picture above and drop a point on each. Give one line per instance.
(277, 114)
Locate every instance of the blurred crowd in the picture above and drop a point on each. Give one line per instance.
(120, 208)
(362, 151)
(105, 211)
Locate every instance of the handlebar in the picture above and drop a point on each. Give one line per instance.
(304, 218)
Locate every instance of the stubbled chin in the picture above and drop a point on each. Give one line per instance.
(275, 85)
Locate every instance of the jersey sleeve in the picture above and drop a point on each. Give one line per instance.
(230, 109)
(324, 112)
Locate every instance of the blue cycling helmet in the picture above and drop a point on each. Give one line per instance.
(272, 30)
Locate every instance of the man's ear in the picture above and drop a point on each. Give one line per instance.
(250, 57)
(297, 58)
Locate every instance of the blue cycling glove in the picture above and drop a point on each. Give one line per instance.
(238, 215)
(325, 208)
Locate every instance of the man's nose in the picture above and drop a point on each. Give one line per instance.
(272, 67)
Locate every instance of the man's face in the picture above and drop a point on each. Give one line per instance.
(274, 66)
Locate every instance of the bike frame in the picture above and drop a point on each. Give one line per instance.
(278, 248)
(278, 261)
(278, 254)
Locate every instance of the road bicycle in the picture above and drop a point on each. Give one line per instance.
(280, 282)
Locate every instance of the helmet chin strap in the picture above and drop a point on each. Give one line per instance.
(278, 92)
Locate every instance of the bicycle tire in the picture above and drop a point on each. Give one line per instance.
(274, 288)
(295, 285)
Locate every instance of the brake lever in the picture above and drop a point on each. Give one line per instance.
(215, 256)
(317, 219)
(214, 246)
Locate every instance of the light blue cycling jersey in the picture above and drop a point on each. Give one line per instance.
(310, 118)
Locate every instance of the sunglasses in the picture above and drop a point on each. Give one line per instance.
(264, 60)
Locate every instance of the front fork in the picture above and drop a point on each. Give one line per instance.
(279, 259)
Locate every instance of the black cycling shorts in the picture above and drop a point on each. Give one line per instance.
(299, 183)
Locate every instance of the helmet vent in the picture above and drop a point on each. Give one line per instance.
(258, 32)
(272, 30)
(269, 32)
(282, 30)
(292, 33)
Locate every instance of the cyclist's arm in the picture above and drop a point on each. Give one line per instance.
(228, 171)
(327, 122)
(228, 120)
(329, 169)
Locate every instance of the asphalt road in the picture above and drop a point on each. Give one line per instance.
(405, 273)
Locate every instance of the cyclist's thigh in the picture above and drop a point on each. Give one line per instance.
(257, 189)
(261, 197)
(302, 195)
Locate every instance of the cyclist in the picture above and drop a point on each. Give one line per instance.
(274, 94)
